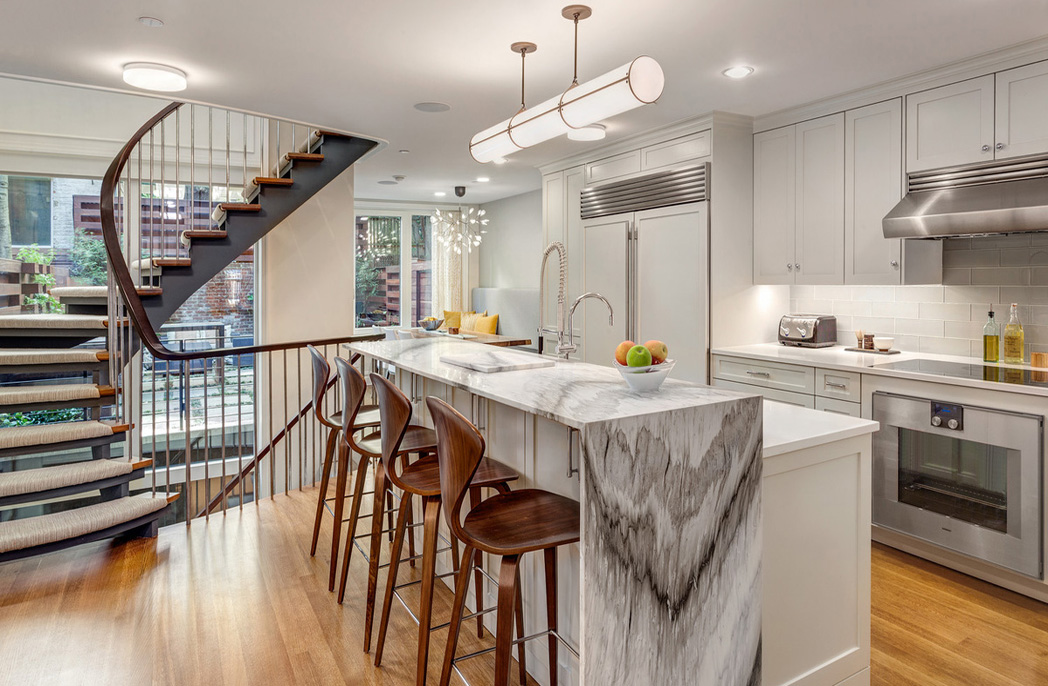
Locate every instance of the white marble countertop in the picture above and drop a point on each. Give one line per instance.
(837, 358)
(788, 428)
(571, 393)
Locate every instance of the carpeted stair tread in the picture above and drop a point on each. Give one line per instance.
(50, 528)
(54, 321)
(25, 356)
(51, 393)
(60, 476)
(79, 292)
(47, 434)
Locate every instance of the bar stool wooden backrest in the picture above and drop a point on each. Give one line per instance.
(395, 411)
(321, 372)
(460, 448)
(353, 389)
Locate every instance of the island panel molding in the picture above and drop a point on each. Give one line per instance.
(671, 543)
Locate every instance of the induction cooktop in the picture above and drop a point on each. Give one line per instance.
(979, 372)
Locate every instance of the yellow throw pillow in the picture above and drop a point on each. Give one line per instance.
(453, 318)
(487, 324)
(469, 320)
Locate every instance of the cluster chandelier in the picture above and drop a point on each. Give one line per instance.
(636, 83)
(462, 229)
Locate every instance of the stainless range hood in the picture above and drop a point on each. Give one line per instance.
(1006, 196)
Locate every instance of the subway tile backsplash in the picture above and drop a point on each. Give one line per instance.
(948, 319)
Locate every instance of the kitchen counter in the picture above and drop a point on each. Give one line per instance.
(839, 359)
(789, 429)
(669, 575)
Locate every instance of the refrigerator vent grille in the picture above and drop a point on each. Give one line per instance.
(661, 189)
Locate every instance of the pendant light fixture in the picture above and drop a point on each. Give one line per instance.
(458, 230)
(636, 83)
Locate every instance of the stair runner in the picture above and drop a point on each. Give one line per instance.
(29, 373)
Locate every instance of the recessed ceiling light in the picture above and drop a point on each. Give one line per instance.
(440, 194)
(593, 132)
(388, 182)
(404, 151)
(151, 22)
(739, 72)
(499, 160)
(154, 77)
(363, 219)
(432, 106)
(482, 179)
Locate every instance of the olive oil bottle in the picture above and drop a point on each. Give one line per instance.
(991, 339)
(1014, 339)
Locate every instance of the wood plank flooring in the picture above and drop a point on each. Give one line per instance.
(238, 600)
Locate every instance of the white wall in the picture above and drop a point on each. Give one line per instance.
(511, 254)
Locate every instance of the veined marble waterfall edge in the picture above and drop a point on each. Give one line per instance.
(671, 555)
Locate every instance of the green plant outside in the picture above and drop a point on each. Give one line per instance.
(90, 266)
(9, 419)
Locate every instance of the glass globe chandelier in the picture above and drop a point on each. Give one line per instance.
(458, 230)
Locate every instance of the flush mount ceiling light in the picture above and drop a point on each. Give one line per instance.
(636, 83)
(462, 229)
(151, 22)
(739, 72)
(432, 107)
(593, 132)
(440, 194)
(154, 77)
(482, 179)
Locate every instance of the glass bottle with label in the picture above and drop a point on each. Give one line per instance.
(1014, 339)
(991, 339)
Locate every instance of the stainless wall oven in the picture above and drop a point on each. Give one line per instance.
(963, 477)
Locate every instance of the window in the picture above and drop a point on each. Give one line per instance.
(29, 207)
(394, 269)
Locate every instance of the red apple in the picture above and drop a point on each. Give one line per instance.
(659, 351)
(620, 352)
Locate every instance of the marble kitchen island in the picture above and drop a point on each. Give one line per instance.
(667, 576)
(709, 520)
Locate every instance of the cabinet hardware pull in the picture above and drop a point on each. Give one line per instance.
(789, 267)
(999, 146)
(797, 266)
(894, 264)
(833, 384)
(766, 375)
(986, 148)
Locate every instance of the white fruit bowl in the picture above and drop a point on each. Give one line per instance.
(645, 379)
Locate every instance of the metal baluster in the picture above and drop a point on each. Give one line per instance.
(261, 147)
(163, 187)
(222, 403)
(151, 193)
(207, 453)
(272, 454)
(178, 162)
(228, 197)
(244, 132)
(210, 166)
(192, 170)
(240, 436)
(277, 157)
(301, 426)
(287, 443)
(188, 459)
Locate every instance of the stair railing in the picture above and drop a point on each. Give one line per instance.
(197, 413)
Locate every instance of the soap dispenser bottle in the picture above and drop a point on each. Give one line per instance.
(991, 339)
(1014, 339)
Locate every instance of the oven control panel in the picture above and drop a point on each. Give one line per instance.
(946, 416)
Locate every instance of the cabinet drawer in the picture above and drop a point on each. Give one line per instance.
(784, 377)
(838, 406)
(840, 385)
(787, 397)
(613, 167)
(675, 151)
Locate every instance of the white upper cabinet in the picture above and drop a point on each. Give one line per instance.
(1022, 111)
(819, 247)
(872, 186)
(774, 205)
(951, 125)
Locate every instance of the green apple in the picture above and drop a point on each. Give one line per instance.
(638, 356)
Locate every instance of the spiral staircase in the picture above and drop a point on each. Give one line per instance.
(65, 483)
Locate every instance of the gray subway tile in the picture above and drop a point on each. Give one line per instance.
(971, 294)
(1024, 257)
(1001, 276)
(919, 294)
(958, 312)
(919, 327)
(945, 346)
(971, 258)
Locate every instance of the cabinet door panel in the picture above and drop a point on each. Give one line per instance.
(574, 182)
(950, 125)
(872, 186)
(672, 285)
(819, 251)
(1022, 101)
(774, 210)
(604, 271)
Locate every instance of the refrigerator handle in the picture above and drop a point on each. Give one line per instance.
(634, 285)
(629, 280)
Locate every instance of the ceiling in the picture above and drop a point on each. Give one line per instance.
(361, 66)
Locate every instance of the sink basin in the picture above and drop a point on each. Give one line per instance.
(496, 361)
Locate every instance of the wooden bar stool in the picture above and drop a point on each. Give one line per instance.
(421, 478)
(357, 416)
(507, 524)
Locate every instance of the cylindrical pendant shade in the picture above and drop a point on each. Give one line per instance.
(493, 143)
(537, 124)
(638, 83)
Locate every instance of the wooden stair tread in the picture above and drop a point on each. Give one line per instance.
(240, 207)
(305, 156)
(31, 532)
(336, 134)
(205, 233)
(147, 292)
(74, 292)
(64, 475)
(272, 181)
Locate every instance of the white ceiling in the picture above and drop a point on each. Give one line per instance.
(362, 65)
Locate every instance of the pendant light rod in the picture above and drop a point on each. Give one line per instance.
(524, 48)
(575, 13)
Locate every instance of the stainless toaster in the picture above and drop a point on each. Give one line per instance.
(808, 330)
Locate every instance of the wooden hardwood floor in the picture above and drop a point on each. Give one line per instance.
(238, 600)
